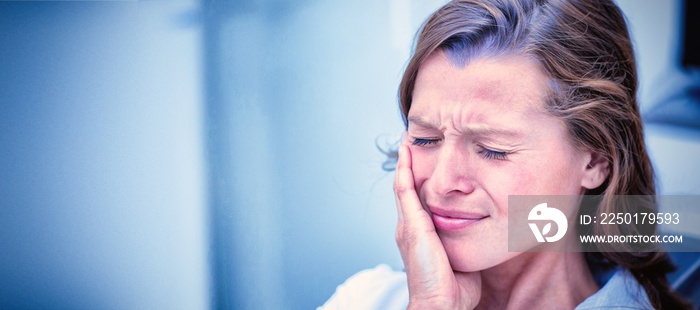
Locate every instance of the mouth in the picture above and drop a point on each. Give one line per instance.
(455, 220)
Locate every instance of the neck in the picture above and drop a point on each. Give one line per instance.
(521, 282)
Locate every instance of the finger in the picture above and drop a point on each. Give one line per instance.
(400, 166)
(404, 186)
(401, 155)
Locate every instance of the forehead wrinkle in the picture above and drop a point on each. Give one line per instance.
(485, 103)
(420, 121)
(472, 122)
(483, 130)
(472, 128)
(476, 124)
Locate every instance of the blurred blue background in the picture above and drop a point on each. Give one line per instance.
(222, 154)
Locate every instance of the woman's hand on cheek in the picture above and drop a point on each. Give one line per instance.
(432, 284)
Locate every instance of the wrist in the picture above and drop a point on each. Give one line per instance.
(433, 305)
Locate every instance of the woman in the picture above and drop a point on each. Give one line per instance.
(515, 98)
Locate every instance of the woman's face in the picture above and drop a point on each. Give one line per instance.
(478, 134)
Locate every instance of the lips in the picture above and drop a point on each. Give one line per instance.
(454, 220)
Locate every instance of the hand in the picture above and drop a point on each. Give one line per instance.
(432, 284)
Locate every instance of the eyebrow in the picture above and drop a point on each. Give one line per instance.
(477, 129)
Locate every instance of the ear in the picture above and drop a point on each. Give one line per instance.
(595, 172)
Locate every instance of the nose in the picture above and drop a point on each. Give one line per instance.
(453, 174)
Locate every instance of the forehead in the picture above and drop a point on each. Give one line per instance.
(506, 85)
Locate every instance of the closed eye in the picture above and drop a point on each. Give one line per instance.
(491, 154)
(424, 142)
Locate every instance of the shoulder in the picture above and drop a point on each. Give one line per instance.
(376, 288)
(622, 291)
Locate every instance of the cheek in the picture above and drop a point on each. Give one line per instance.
(554, 176)
(520, 181)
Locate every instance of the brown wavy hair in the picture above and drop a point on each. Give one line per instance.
(584, 48)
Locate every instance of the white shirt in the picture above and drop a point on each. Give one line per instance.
(382, 288)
